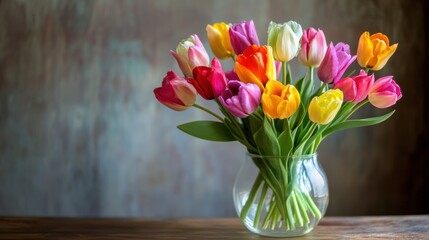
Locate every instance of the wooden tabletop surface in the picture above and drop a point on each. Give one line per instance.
(386, 227)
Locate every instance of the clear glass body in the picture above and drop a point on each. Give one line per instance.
(279, 196)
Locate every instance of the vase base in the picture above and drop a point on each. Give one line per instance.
(279, 231)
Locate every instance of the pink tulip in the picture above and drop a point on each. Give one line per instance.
(189, 54)
(384, 93)
(355, 88)
(336, 61)
(313, 47)
(175, 92)
(241, 99)
(243, 35)
(209, 82)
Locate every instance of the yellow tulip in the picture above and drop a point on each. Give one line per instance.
(220, 42)
(323, 109)
(280, 101)
(374, 51)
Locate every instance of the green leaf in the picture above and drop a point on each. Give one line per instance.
(299, 84)
(208, 130)
(266, 139)
(285, 140)
(356, 123)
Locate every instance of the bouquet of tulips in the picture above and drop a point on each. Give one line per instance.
(263, 107)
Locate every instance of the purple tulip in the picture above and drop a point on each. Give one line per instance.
(243, 35)
(336, 61)
(241, 99)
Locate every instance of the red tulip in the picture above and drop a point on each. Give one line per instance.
(209, 82)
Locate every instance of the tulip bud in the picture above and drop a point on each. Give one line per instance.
(220, 42)
(279, 101)
(384, 93)
(323, 109)
(336, 61)
(355, 88)
(284, 39)
(209, 82)
(374, 51)
(241, 99)
(190, 53)
(243, 35)
(175, 92)
(313, 47)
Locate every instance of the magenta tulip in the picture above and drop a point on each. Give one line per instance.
(355, 88)
(384, 93)
(336, 61)
(209, 82)
(243, 35)
(313, 47)
(241, 99)
(189, 54)
(175, 92)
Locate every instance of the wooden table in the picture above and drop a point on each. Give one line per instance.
(388, 227)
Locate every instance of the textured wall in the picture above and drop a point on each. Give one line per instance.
(81, 133)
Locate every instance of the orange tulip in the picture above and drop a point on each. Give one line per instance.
(374, 51)
(256, 65)
(280, 101)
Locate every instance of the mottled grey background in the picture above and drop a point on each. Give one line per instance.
(81, 133)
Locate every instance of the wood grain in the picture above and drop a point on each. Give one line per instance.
(392, 227)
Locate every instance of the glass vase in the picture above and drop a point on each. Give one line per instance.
(281, 196)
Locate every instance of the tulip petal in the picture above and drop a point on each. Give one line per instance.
(384, 57)
(365, 50)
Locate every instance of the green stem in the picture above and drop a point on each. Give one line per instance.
(208, 111)
(313, 208)
(302, 207)
(260, 205)
(251, 197)
(296, 209)
(284, 71)
(290, 213)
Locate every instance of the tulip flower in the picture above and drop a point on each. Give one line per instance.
(243, 35)
(256, 65)
(220, 42)
(356, 88)
(280, 101)
(284, 39)
(336, 61)
(323, 109)
(384, 93)
(241, 99)
(374, 51)
(313, 47)
(175, 92)
(190, 53)
(209, 82)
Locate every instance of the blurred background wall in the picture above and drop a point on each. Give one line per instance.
(81, 133)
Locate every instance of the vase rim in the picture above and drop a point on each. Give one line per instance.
(311, 155)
